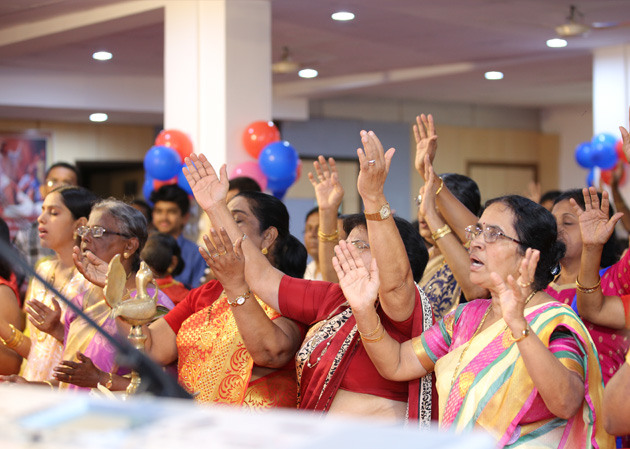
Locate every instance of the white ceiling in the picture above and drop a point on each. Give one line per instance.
(426, 50)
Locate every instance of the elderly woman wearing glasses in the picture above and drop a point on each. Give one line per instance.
(520, 365)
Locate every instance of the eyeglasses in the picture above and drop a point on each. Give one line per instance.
(360, 245)
(97, 232)
(490, 233)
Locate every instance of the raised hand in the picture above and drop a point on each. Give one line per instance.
(207, 187)
(226, 260)
(359, 286)
(374, 165)
(92, 267)
(427, 203)
(328, 190)
(513, 293)
(82, 373)
(595, 226)
(426, 141)
(44, 318)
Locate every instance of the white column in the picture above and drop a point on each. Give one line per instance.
(611, 89)
(217, 73)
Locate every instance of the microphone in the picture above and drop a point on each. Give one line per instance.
(154, 379)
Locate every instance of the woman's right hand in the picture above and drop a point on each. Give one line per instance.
(92, 267)
(225, 259)
(427, 204)
(44, 318)
(359, 286)
(207, 187)
(595, 226)
(328, 190)
(426, 141)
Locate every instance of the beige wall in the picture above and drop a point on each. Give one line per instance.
(460, 145)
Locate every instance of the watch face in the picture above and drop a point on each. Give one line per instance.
(240, 300)
(385, 211)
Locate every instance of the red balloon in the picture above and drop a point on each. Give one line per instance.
(607, 175)
(258, 135)
(176, 140)
(157, 183)
(619, 149)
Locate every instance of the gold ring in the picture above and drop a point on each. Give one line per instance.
(520, 284)
(223, 253)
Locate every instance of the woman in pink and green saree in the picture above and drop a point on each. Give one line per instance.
(520, 366)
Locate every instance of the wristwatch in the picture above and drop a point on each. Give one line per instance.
(239, 300)
(383, 213)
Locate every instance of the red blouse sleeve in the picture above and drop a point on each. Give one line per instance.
(197, 299)
(308, 301)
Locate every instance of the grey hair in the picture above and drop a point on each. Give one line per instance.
(130, 221)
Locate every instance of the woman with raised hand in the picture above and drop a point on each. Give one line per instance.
(334, 372)
(329, 193)
(230, 346)
(520, 365)
(64, 211)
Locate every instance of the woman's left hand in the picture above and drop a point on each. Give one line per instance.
(595, 226)
(374, 166)
(92, 267)
(427, 202)
(513, 293)
(359, 286)
(225, 259)
(82, 374)
(207, 187)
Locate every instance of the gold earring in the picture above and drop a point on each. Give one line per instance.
(126, 255)
(264, 251)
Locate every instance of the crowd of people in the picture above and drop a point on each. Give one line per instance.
(512, 317)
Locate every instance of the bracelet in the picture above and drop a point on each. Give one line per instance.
(582, 289)
(371, 334)
(441, 185)
(334, 237)
(444, 230)
(14, 340)
(110, 381)
(524, 335)
(47, 382)
(374, 340)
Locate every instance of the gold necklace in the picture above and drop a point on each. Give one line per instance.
(483, 320)
(41, 336)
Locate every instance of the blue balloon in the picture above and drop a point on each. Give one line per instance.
(590, 178)
(584, 155)
(147, 188)
(280, 186)
(183, 182)
(162, 163)
(278, 160)
(604, 153)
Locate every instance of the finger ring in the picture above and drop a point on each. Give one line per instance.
(223, 253)
(520, 284)
(215, 255)
(69, 377)
(372, 162)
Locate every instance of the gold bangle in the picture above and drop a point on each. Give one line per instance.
(444, 230)
(15, 339)
(47, 382)
(334, 237)
(524, 335)
(371, 334)
(110, 381)
(441, 185)
(374, 340)
(628, 357)
(582, 289)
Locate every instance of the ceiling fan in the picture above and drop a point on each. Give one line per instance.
(575, 25)
(286, 63)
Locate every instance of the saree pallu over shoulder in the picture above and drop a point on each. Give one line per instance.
(493, 390)
(215, 365)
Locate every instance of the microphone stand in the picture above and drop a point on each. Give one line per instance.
(154, 379)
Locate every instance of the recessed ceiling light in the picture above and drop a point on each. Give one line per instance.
(98, 117)
(342, 16)
(556, 43)
(308, 73)
(102, 56)
(493, 75)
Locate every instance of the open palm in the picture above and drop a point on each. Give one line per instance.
(206, 186)
(595, 226)
(426, 140)
(359, 285)
(328, 190)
